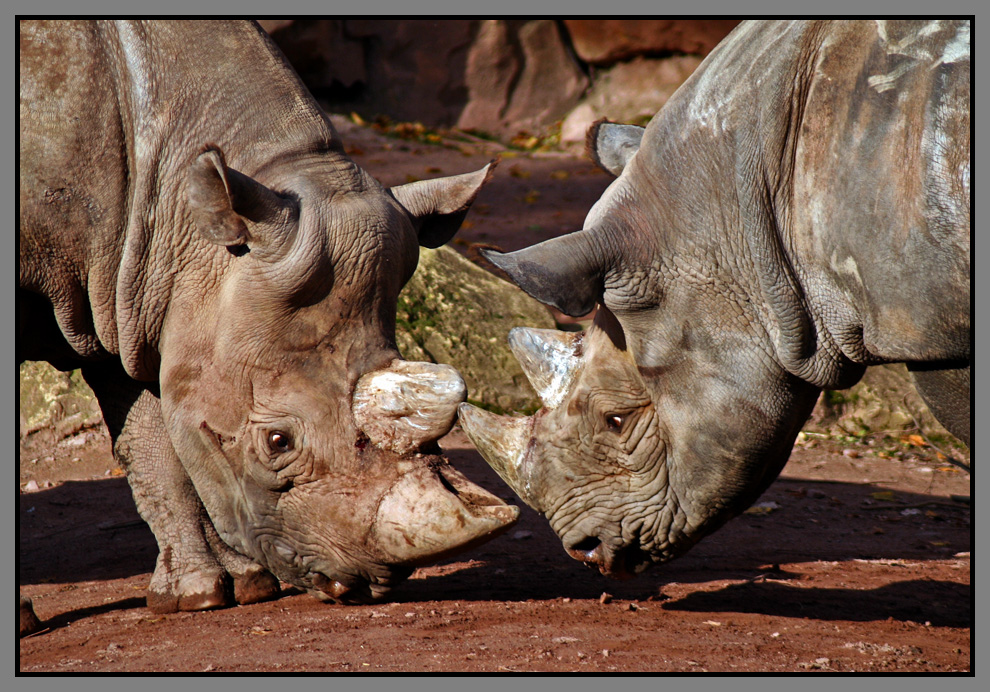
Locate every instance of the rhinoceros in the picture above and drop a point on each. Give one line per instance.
(193, 236)
(797, 211)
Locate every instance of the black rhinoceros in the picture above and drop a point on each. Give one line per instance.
(193, 236)
(797, 211)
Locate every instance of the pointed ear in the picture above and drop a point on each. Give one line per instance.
(567, 273)
(221, 200)
(611, 146)
(437, 207)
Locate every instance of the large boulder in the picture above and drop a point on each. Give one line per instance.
(502, 77)
(628, 92)
(521, 78)
(607, 41)
(454, 312)
(52, 400)
(885, 400)
(415, 68)
(497, 76)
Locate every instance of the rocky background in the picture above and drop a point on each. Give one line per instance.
(510, 79)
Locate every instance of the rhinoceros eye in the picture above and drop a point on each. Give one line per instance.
(279, 442)
(613, 422)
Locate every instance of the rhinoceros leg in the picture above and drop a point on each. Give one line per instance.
(193, 562)
(946, 390)
(29, 622)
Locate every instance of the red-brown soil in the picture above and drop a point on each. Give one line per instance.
(861, 563)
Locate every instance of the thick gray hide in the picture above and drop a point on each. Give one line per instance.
(797, 211)
(193, 236)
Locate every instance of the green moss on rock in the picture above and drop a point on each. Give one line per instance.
(884, 400)
(48, 396)
(454, 312)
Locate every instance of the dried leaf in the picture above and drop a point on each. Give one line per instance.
(914, 440)
(762, 508)
(560, 175)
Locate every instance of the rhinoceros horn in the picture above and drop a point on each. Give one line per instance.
(434, 511)
(550, 359)
(421, 520)
(407, 405)
(502, 441)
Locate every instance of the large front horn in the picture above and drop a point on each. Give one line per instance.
(433, 512)
(550, 359)
(567, 273)
(502, 441)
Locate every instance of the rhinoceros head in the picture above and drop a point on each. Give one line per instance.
(311, 443)
(667, 416)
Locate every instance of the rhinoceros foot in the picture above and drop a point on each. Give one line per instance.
(255, 585)
(29, 622)
(252, 582)
(194, 591)
(238, 580)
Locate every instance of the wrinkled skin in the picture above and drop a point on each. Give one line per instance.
(193, 236)
(798, 210)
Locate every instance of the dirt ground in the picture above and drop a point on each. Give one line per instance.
(849, 562)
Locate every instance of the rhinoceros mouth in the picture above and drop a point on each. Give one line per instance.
(355, 591)
(622, 563)
(429, 513)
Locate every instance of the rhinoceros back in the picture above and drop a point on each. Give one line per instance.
(73, 182)
(112, 115)
(882, 193)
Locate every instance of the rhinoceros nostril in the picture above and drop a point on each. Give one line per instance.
(585, 548)
(619, 563)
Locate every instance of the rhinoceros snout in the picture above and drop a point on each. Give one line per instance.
(620, 563)
(408, 405)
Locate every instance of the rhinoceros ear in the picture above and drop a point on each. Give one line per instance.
(222, 199)
(437, 207)
(611, 146)
(567, 273)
